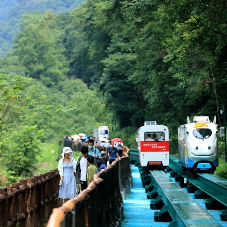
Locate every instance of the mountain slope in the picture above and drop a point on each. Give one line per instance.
(12, 11)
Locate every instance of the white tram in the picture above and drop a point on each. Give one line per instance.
(153, 145)
(198, 145)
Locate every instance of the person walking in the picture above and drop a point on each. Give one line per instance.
(67, 170)
(112, 153)
(91, 170)
(104, 158)
(94, 151)
(81, 168)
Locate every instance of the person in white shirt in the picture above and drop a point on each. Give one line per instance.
(81, 169)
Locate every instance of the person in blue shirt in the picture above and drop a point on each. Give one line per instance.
(93, 151)
(112, 153)
(104, 158)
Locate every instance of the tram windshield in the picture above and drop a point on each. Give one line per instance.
(154, 136)
(103, 132)
(202, 133)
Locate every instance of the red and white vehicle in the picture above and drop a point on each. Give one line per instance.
(153, 145)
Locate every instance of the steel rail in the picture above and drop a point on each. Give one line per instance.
(184, 210)
(214, 186)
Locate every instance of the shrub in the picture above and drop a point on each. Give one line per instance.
(19, 154)
(221, 170)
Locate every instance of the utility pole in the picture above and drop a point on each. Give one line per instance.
(223, 114)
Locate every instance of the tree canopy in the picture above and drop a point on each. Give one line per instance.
(115, 61)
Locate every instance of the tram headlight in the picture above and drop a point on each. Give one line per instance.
(209, 147)
(197, 148)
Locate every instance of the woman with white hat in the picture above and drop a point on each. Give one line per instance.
(67, 168)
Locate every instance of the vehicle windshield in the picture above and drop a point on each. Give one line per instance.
(154, 136)
(103, 132)
(202, 133)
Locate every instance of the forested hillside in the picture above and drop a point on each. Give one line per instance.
(32, 114)
(154, 60)
(12, 11)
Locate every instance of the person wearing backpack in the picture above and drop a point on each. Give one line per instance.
(119, 148)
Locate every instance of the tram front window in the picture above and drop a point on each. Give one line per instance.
(154, 136)
(202, 133)
(103, 132)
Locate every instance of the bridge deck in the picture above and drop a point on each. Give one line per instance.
(137, 210)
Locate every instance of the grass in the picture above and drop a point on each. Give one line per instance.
(48, 160)
(51, 153)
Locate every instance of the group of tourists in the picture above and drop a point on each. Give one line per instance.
(76, 175)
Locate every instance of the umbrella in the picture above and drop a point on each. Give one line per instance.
(75, 137)
(116, 140)
(81, 134)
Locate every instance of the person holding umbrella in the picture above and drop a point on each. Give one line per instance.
(112, 153)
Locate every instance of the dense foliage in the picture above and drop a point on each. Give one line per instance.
(146, 60)
(153, 60)
(32, 114)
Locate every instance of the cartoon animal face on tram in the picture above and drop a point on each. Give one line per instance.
(197, 145)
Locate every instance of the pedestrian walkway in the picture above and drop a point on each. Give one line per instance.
(137, 210)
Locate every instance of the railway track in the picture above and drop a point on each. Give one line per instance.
(208, 189)
(176, 205)
(213, 186)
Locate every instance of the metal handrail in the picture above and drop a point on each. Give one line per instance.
(107, 188)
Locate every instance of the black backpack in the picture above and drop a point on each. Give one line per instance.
(119, 147)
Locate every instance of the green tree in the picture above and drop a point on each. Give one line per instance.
(39, 49)
(13, 105)
(20, 151)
